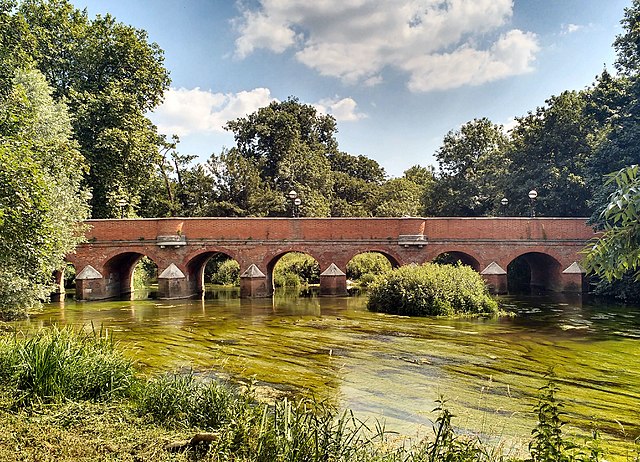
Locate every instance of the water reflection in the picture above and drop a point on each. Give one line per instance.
(391, 366)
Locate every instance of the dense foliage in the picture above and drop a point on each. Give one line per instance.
(110, 76)
(73, 98)
(617, 252)
(41, 195)
(364, 268)
(226, 273)
(296, 269)
(431, 290)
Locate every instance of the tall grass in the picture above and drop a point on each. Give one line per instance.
(55, 365)
(186, 401)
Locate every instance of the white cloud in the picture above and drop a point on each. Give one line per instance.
(344, 110)
(570, 28)
(356, 40)
(188, 111)
(258, 30)
(195, 111)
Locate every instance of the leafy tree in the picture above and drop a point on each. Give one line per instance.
(551, 150)
(15, 45)
(356, 182)
(615, 104)
(110, 77)
(398, 197)
(627, 45)
(242, 191)
(359, 167)
(352, 196)
(286, 144)
(473, 163)
(425, 178)
(617, 251)
(41, 198)
(120, 147)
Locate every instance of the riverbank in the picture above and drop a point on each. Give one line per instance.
(72, 395)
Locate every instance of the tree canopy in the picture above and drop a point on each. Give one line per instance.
(110, 76)
(42, 201)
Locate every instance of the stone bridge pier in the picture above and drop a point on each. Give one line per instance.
(548, 249)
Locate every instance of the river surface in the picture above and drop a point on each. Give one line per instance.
(394, 368)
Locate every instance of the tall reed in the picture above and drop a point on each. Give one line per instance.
(54, 365)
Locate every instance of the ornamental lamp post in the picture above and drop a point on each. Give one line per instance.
(532, 202)
(122, 204)
(504, 203)
(295, 202)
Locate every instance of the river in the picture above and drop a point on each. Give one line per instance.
(394, 368)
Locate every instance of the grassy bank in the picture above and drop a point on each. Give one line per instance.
(68, 395)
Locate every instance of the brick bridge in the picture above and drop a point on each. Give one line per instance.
(181, 248)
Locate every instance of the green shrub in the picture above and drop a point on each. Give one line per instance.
(227, 273)
(55, 365)
(295, 269)
(145, 273)
(366, 265)
(367, 279)
(431, 290)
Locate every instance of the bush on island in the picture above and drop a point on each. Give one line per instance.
(431, 290)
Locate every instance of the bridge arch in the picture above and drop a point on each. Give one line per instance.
(271, 264)
(452, 257)
(393, 260)
(196, 263)
(118, 271)
(534, 271)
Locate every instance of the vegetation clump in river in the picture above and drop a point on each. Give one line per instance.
(68, 395)
(431, 290)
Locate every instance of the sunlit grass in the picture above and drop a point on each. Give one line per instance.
(55, 365)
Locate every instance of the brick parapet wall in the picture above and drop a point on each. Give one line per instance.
(342, 229)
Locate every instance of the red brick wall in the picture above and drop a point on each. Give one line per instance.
(311, 229)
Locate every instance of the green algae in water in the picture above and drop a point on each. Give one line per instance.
(395, 367)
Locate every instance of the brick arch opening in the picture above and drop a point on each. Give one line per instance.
(196, 268)
(119, 270)
(356, 269)
(454, 256)
(393, 260)
(276, 258)
(534, 272)
(64, 281)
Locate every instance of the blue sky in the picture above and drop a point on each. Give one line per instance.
(396, 74)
